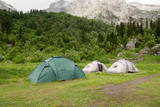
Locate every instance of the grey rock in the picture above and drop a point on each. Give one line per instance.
(119, 54)
(145, 50)
(8, 61)
(131, 44)
(9, 45)
(136, 54)
(156, 49)
(28, 58)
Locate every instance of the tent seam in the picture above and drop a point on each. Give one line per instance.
(54, 71)
(127, 67)
(40, 73)
(74, 71)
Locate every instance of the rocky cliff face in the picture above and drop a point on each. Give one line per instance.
(105, 10)
(5, 6)
(146, 7)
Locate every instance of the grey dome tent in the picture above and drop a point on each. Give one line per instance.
(56, 68)
(95, 66)
(123, 66)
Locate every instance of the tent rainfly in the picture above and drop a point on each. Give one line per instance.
(56, 68)
(123, 66)
(95, 66)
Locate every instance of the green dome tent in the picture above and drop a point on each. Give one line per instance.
(56, 68)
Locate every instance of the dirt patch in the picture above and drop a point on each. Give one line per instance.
(118, 95)
(126, 87)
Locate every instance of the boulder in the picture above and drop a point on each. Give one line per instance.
(131, 44)
(119, 54)
(156, 49)
(145, 50)
(28, 58)
(9, 45)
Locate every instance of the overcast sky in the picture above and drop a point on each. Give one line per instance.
(26, 5)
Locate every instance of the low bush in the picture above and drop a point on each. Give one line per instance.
(150, 43)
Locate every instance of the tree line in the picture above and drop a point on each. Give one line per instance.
(37, 35)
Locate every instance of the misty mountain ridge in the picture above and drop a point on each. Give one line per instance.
(106, 10)
(5, 6)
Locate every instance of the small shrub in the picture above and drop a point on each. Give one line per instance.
(19, 59)
(150, 43)
(73, 55)
(36, 56)
(1, 57)
(129, 55)
(137, 50)
(11, 53)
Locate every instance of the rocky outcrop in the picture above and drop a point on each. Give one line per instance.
(106, 10)
(5, 6)
(146, 7)
(145, 50)
(156, 50)
(131, 44)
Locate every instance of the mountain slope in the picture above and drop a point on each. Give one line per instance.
(105, 10)
(5, 6)
(147, 7)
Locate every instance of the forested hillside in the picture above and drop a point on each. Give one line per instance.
(38, 35)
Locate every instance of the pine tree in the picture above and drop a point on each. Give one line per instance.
(122, 30)
(158, 30)
(146, 22)
(141, 26)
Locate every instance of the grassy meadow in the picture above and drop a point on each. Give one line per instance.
(17, 90)
(26, 39)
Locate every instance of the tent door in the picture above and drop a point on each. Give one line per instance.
(100, 68)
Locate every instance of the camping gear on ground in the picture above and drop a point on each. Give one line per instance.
(123, 66)
(56, 68)
(95, 66)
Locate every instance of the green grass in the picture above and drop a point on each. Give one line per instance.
(150, 59)
(16, 90)
(15, 72)
(150, 93)
(146, 95)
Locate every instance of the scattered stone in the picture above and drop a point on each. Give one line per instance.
(136, 54)
(119, 54)
(28, 58)
(8, 61)
(156, 50)
(9, 45)
(121, 46)
(145, 50)
(131, 44)
(138, 59)
(73, 51)
(156, 62)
